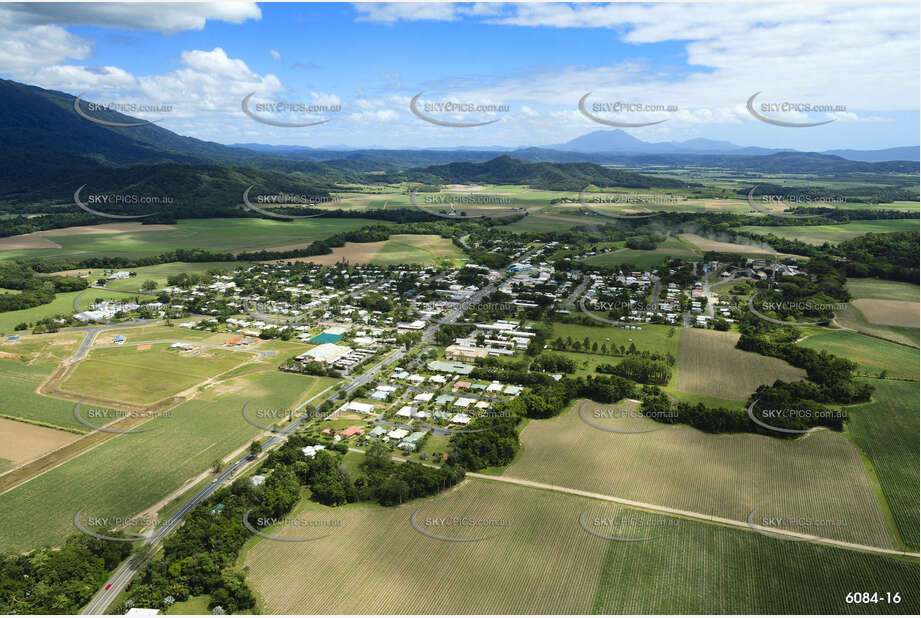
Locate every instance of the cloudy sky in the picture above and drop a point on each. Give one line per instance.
(702, 61)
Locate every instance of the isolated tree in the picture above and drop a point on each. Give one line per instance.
(255, 448)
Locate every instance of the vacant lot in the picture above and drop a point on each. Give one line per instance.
(709, 364)
(143, 377)
(820, 476)
(871, 355)
(673, 247)
(885, 290)
(705, 244)
(889, 312)
(20, 442)
(41, 349)
(818, 234)
(131, 472)
(704, 569)
(542, 562)
(886, 430)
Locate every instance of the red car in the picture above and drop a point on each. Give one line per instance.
(108, 586)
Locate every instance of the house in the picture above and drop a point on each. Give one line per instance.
(257, 480)
(353, 430)
(463, 402)
(462, 384)
(460, 418)
(458, 368)
(397, 434)
(406, 412)
(511, 390)
(444, 400)
(378, 431)
(424, 397)
(311, 451)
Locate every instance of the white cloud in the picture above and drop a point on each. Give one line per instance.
(168, 18)
(410, 11)
(275, 54)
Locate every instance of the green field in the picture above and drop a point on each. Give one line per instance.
(672, 247)
(539, 223)
(820, 476)
(880, 288)
(818, 234)
(143, 377)
(232, 235)
(18, 383)
(886, 430)
(711, 570)
(418, 249)
(131, 472)
(709, 364)
(62, 304)
(871, 355)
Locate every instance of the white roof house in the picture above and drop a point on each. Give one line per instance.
(398, 434)
(357, 406)
(424, 397)
(327, 353)
(463, 402)
(406, 411)
(460, 418)
(311, 451)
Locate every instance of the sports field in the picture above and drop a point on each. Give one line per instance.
(143, 377)
(231, 235)
(652, 337)
(871, 355)
(886, 430)
(820, 476)
(127, 474)
(418, 249)
(709, 364)
(818, 234)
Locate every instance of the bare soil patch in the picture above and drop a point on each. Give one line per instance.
(21, 442)
(353, 252)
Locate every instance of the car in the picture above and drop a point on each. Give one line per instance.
(108, 586)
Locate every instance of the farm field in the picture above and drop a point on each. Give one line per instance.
(20, 442)
(889, 312)
(851, 318)
(231, 235)
(871, 355)
(537, 223)
(709, 364)
(144, 377)
(541, 562)
(880, 288)
(127, 474)
(705, 569)
(63, 303)
(653, 337)
(886, 430)
(821, 476)
(818, 234)
(18, 382)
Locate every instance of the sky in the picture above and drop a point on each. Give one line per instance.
(363, 63)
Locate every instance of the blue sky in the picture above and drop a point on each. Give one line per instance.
(703, 60)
